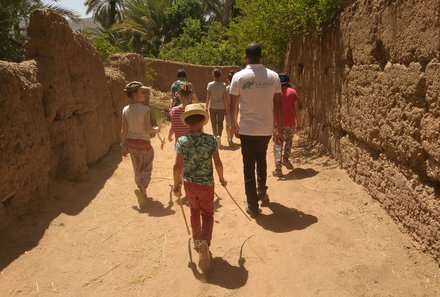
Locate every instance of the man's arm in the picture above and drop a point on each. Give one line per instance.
(234, 113)
(278, 107)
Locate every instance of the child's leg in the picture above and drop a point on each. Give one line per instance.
(192, 195)
(143, 166)
(288, 136)
(206, 194)
(277, 163)
(213, 118)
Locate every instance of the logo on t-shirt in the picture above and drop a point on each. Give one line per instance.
(248, 85)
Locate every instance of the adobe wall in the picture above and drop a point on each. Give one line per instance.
(162, 74)
(60, 111)
(369, 88)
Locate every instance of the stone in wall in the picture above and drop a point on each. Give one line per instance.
(76, 98)
(25, 150)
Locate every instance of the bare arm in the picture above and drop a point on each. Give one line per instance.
(219, 167)
(278, 107)
(208, 98)
(234, 113)
(170, 134)
(124, 132)
(225, 99)
(177, 170)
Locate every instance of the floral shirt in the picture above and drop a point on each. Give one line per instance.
(197, 150)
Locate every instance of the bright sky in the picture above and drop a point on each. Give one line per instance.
(75, 5)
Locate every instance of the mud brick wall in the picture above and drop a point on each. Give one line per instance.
(370, 89)
(60, 111)
(162, 74)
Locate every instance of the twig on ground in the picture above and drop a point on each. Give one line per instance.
(310, 188)
(111, 235)
(99, 276)
(4, 275)
(38, 287)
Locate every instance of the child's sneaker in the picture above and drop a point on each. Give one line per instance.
(277, 173)
(142, 198)
(287, 164)
(204, 257)
(196, 244)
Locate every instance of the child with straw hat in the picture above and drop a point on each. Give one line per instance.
(195, 153)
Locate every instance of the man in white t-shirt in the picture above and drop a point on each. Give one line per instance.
(258, 91)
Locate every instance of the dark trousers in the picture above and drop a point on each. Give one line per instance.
(253, 150)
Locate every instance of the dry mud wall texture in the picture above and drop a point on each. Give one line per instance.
(60, 111)
(162, 74)
(370, 90)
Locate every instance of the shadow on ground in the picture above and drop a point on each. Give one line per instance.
(299, 173)
(285, 219)
(24, 232)
(222, 273)
(156, 209)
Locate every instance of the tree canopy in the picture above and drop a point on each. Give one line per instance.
(210, 32)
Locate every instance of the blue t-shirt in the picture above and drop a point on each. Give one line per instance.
(174, 91)
(197, 150)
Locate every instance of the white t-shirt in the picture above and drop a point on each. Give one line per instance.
(256, 86)
(135, 116)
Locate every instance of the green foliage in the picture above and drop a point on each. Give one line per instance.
(178, 12)
(14, 14)
(195, 46)
(274, 23)
(104, 47)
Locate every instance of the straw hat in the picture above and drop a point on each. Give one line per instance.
(195, 108)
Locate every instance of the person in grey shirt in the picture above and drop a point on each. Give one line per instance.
(216, 102)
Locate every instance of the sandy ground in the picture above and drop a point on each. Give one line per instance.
(322, 235)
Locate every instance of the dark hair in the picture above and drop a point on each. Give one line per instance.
(231, 74)
(253, 51)
(181, 73)
(185, 89)
(131, 93)
(194, 119)
(217, 73)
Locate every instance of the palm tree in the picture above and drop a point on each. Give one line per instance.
(222, 11)
(106, 12)
(144, 26)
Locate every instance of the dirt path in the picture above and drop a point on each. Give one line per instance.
(321, 236)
